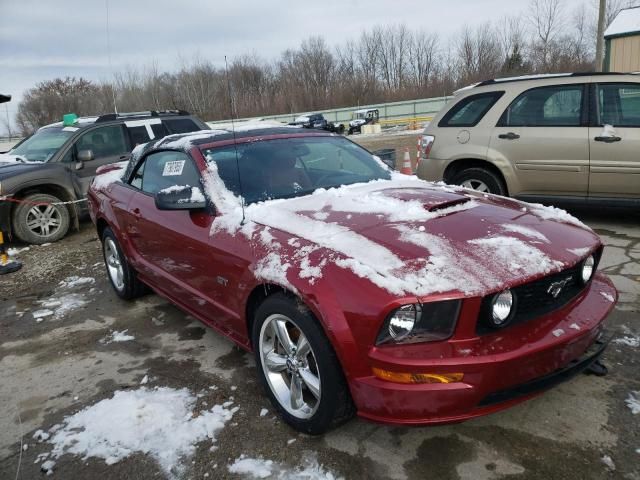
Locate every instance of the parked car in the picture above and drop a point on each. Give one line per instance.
(317, 121)
(358, 289)
(365, 116)
(571, 137)
(57, 163)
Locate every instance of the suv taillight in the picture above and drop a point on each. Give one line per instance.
(427, 144)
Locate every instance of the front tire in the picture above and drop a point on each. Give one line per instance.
(39, 221)
(298, 368)
(121, 275)
(480, 179)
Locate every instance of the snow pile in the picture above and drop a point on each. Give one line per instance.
(607, 296)
(525, 232)
(606, 459)
(633, 402)
(579, 252)
(405, 200)
(159, 422)
(103, 180)
(555, 214)
(513, 255)
(117, 337)
(253, 468)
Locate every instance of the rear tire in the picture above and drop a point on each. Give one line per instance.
(122, 276)
(324, 398)
(480, 179)
(44, 223)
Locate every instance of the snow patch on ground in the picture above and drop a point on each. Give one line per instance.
(65, 299)
(633, 402)
(159, 422)
(253, 468)
(629, 341)
(117, 336)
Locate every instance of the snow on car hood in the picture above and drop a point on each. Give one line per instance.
(9, 159)
(412, 237)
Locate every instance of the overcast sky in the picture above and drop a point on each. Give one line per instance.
(40, 40)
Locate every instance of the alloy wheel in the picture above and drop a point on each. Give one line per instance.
(289, 365)
(114, 264)
(44, 220)
(478, 185)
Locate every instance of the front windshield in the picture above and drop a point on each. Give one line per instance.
(284, 168)
(42, 145)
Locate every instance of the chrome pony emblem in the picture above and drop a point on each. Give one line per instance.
(556, 287)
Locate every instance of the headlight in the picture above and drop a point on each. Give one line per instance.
(427, 322)
(502, 309)
(588, 267)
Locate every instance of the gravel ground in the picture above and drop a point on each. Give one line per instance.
(53, 368)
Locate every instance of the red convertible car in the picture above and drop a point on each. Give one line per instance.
(360, 290)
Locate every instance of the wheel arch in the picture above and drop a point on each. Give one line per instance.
(457, 166)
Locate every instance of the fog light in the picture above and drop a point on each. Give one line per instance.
(587, 268)
(405, 377)
(501, 308)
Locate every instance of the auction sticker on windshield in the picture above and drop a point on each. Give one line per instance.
(173, 168)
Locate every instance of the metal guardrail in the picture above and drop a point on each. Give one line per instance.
(397, 113)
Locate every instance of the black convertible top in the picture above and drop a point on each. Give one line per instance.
(185, 141)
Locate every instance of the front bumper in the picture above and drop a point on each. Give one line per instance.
(494, 378)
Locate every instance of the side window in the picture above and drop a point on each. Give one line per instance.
(103, 142)
(166, 169)
(470, 110)
(180, 125)
(618, 104)
(556, 106)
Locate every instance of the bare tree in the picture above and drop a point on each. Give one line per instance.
(547, 19)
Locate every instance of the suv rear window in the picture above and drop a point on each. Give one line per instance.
(470, 110)
(555, 106)
(180, 125)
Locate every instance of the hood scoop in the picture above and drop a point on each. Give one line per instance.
(431, 207)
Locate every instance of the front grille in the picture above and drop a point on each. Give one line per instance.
(533, 299)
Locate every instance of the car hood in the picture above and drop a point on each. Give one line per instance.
(9, 166)
(414, 237)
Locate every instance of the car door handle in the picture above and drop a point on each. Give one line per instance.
(607, 139)
(509, 136)
(136, 213)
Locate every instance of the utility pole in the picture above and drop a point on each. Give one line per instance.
(6, 108)
(600, 39)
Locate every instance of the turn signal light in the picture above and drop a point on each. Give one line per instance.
(399, 377)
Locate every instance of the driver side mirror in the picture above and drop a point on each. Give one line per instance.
(85, 155)
(180, 197)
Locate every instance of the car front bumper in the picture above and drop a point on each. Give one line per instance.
(492, 381)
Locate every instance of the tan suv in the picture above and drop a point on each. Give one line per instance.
(554, 137)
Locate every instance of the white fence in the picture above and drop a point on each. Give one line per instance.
(394, 112)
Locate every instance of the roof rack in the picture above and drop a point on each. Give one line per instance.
(109, 117)
(524, 78)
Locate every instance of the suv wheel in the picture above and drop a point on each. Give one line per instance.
(480, 179)
(37, 221)
(298, 367)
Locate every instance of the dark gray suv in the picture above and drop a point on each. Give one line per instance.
(56, 164)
